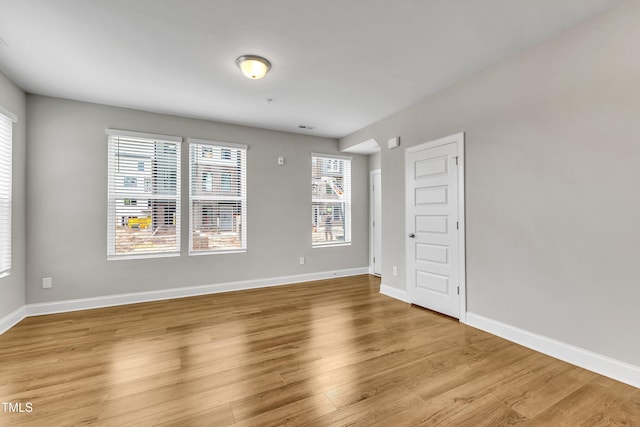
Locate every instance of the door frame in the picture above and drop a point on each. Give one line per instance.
(457, 138)
(372, 251)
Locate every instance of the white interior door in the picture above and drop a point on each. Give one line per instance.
(435, 236)
(376, 222)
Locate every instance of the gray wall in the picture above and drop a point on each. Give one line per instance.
(12, 287)
(67, 205)
(375, 161)
(552, 173)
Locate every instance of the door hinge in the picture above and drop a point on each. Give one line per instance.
(458, 290)
(456, 157)
(374, 260)
(457, 225)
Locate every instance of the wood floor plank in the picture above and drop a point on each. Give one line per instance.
(534, 392)
(321, 353)
(84, 416)
(591, 405)
(630, 409)
(375, 408)
(275, 413)
(219, 416)
(484, 411)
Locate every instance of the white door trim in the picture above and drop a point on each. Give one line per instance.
(459, 139)
(371, 212)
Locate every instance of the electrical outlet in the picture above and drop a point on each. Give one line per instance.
(301, 260)
(395, 270)
(47, 282)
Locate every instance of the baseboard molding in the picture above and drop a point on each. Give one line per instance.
(604, 365)
(373, 273)
(392, 292)
(12, 319)
(163, 294)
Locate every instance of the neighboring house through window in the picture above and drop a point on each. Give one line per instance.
(226, 182)
(130, 181)
(207, 181)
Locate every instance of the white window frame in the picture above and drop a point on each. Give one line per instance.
(242, 198)
(112, 195)
(7, 119)
(345, 198)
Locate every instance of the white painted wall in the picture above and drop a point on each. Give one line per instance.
(552, 173)
(67, 205)
(12, 287)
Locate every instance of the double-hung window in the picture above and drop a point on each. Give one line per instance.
(331, 200)
(217, 197)
(144, 195)
(6, 141)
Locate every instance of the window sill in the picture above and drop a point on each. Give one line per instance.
(142, 256)
(330, 245)
(220, 252)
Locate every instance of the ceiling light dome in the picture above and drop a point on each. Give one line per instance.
(253, 66)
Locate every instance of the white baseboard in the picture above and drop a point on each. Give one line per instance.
(392, 292)
(137, 297)
(604, 365)
(12, 319)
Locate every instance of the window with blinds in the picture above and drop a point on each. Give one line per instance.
(331, 200)
(6, 141)
(217, 197)
(144, 195)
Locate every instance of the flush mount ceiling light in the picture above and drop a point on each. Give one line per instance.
(253, 66)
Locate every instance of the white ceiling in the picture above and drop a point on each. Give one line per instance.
(338, 65)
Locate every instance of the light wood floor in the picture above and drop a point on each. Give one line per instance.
(324, 353)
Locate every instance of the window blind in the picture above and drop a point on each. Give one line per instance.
(331, 200)
(6, 138)
(217, 197)
(144, 195)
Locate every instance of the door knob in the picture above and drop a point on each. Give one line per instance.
(412, 235)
